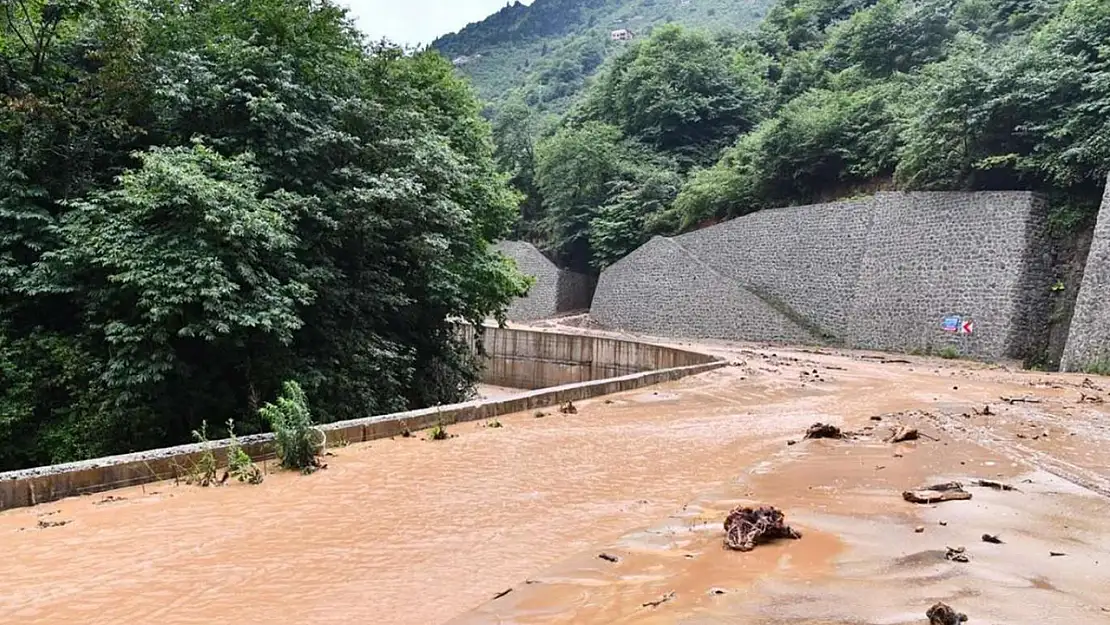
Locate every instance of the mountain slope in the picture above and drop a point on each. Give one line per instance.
(548, 49)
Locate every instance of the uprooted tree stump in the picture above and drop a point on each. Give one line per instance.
(941, 614)
(747, 527)
(823, 430)
(950, 491)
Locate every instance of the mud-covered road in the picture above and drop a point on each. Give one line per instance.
(415, 532)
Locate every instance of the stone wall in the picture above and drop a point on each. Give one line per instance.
(879, 273)
(661, 289)
(1088, 343)
(930, 255)
(555, 290)
(807, 256)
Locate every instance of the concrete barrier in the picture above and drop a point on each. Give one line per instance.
(524, 357)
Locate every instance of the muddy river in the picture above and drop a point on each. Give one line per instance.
(506, 524)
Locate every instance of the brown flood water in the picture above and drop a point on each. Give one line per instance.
(412, 532)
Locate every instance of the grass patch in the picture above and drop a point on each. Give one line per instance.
(239, 463)
(203, 472)
(1097, 367)
(949, 352)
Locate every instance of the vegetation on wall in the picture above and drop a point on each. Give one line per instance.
(202, 199)
(825, 99)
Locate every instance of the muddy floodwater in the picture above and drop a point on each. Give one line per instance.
(506, 524)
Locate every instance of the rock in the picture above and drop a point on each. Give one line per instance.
(568, 408)
(1056, 554)
(920, 529)
(992, 538)
(609, 557)
(791, 442)
(941, 614)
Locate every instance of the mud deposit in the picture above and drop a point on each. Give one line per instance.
(416, 532)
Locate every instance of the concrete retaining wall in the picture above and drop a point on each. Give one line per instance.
(1088, 343)
(555, 290)
(516, 358)
(880, 273)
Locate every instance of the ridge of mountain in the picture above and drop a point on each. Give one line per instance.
(547, 50)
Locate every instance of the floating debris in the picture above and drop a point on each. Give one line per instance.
(950, 491)
(904, 433)
(956, 554)
(747, 527)
(658, 602)
(823, 430)
(941, 614)
(995, 485)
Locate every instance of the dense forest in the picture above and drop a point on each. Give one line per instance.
(825, 99)
(548, 50)
(203, 199)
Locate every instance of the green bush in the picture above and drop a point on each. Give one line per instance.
(239, 463)
(293, 429)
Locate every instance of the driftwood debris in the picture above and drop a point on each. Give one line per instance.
(1024, 400)
(568, 408)
(950, 491)
(995, 485)
(823, 430)
(904, 433)
(746, 527)
(941, 614)
(609, 557)
(956, 554)
(658, 602)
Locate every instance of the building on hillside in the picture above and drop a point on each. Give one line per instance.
(621, 34)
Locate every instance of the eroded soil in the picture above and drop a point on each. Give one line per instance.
(410, 531)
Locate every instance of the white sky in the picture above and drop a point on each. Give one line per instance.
(412, 22)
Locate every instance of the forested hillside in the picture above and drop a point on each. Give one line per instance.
(202, 199)
(825, 99)
(545, 52)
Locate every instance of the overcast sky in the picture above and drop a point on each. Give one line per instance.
(419, 21)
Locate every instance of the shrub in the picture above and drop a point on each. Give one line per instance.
(949, 352)
(239, 463)
(439, 433)
(293, 429)
(203, 472)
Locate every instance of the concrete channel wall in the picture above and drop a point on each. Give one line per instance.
(560, 367)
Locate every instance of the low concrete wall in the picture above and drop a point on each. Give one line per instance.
(538, 359)
(531, 359)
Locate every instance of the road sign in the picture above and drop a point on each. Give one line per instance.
(951, 324)
(967, 326)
